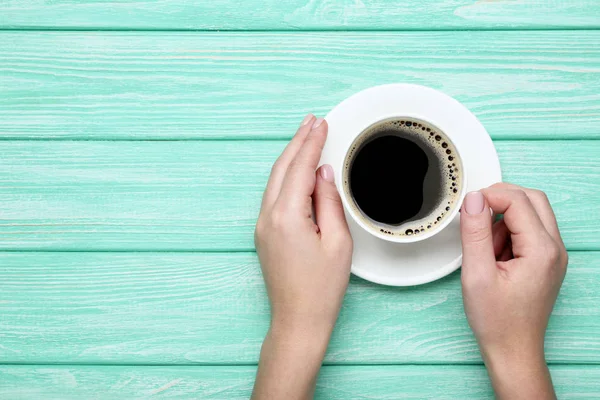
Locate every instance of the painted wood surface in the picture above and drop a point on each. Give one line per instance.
(194, 308)
(299, 14)
(335, 382)
(150, 85)
(127, 256)
(205, 195)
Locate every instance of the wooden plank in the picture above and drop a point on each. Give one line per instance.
(335, 382)
(205, 195)
(199, 308)
(148, 85)
(299, 14)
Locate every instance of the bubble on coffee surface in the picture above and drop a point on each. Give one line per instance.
(437, 143)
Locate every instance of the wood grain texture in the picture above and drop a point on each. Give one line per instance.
(149, 85)
(335, 382)
(198, 308)
(299, 14)
(205, 195)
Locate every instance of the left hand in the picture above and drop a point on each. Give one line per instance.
(306, 265)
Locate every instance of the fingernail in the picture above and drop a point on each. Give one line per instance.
(318, 122)
(474, 203)
(307, 119)
(327, 172)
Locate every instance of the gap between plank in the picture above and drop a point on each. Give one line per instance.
(293, 30)
(206, 251)
(253, 364)
(265, 139)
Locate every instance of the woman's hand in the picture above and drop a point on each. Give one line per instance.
(511, 275)
(305, 260)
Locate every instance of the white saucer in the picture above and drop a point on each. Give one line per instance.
(417, 263)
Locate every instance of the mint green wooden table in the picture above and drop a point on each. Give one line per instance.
(137, 137)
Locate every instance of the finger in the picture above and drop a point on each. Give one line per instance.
(299, 181)
(328, 205)
(520, 217)
(476, 235)
(500, 237)
(281, 165)
(542, 207)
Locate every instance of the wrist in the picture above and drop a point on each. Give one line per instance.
(305, 328)
(294, 350)
(525, 354)
(290, 359)
(518, 373)
(502, 364)
(296, 336)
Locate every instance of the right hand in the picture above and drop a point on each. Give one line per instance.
(511, 275)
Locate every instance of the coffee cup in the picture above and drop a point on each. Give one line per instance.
(402, 177)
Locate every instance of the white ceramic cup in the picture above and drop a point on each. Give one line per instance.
(406, 232)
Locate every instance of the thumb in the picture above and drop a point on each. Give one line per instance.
(476, 235)
(328, 205)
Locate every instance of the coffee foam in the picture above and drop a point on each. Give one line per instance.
(449, 167)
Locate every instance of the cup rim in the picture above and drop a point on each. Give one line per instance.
(397, 238)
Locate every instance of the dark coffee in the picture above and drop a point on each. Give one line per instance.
(393, 168)
(403, 175)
